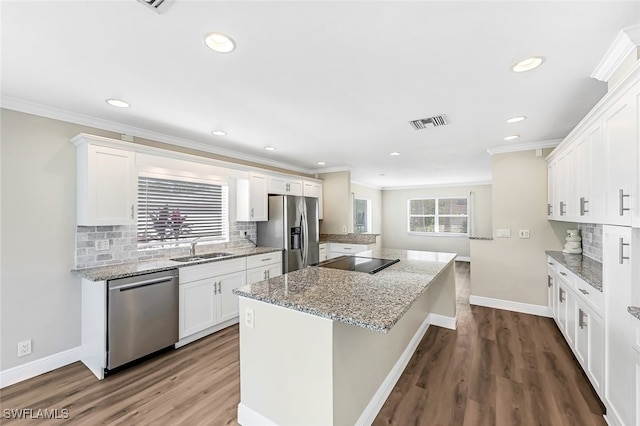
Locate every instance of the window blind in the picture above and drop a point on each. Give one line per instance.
(174, 209)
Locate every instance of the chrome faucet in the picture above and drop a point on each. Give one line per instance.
(192, 252)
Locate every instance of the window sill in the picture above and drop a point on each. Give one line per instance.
(438, 234)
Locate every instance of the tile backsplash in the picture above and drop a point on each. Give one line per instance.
(591, 240)
(123, 244)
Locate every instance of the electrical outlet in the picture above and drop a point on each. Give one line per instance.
(24, 348)
(102, 245)
(523, 233)
(503, 233)
(249, 317)
(344, 228)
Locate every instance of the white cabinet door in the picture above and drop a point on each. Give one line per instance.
(263, 273)
(570, 329)
(566, 185)
(595, 357)
(551, 185)
(107, 186)
(582, 333)
(596, 204)
(550, 293)
(562, 308)
(258, 197)
(582, 177)
(621, 147)
(229, 301)
(314, 189)
(285, 186)
(619, 362)
(198, 306)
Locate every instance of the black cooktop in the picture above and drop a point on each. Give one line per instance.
(369, 265)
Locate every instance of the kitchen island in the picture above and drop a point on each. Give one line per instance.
(322, 346)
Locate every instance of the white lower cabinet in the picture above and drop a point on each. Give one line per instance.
(264, 266)
(577, 310)
(206, 296)
(322, 252)
(620, 362)
(342, 249)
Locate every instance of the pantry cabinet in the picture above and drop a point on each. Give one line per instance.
(106, 184)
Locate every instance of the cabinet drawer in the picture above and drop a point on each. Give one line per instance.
(347, 248)
(590, 295)
(264, 259)
(566, 275)
(207, 270)
(552, 264)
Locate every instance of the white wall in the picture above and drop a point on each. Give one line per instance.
(394, 218)
(514, 269)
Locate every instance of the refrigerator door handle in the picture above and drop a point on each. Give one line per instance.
(303, 236)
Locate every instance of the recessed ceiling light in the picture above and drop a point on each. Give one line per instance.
(219, 42)
(269, 148)
(219, 133)
(382, 174)
(527, 64)
(512, 137)
(394, 153)
(117, 103)
(516, 119)
(321, 163)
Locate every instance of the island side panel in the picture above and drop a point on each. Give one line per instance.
(363, 359)
(285, 367)
(442, 298)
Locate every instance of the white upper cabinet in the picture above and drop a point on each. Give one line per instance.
(106, 184)
(285, 185)
(594, 174)
(314, 189)
(621, 143)
(252, 198)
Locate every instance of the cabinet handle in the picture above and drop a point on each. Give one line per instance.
(562, 206)
(219, 287)
(622, 196)
(132, 206)
(561, 295)
(551, 263)
(215, 288)
(549, 209)
(264, 260)
(583, 291)
(563, 274)
(264, 275)
(621, 255)
(581, 315)
(549, 281)
(251, 211)
(583, 204)
(268, 274)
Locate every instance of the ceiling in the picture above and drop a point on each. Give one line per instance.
(320, 81)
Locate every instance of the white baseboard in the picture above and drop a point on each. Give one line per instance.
(463, 259)
(443, 321)
(39, 366)
(525, 308)
(380, 397)
(249, 417)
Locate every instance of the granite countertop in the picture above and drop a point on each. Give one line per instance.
(634, 310)
(124, 270)
(481, 238)
(349, 238)
(587, 269)
(370, 301)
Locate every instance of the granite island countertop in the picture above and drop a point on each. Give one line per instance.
(370, 301)
(587, 269)
(123, 270)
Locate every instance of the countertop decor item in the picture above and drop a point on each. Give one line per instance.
(574, 242)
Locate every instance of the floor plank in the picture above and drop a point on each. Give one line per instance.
(497, 368)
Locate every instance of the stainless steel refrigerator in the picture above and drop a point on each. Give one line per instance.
(292, 226)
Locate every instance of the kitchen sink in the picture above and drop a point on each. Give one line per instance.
(204, 256)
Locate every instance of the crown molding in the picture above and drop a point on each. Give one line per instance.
(627, 40)
(439, 185)
(332, 170)
(526, 146)
(112, 126)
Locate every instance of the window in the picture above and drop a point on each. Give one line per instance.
(171, 209)
(438, 215)
(361, 215)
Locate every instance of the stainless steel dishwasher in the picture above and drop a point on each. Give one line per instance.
(142, 317)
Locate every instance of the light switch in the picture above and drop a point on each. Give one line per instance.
(523, 233)
(503, 233)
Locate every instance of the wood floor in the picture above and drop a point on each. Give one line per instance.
(497, 368)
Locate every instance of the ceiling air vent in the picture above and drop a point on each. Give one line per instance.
(156, 5)
(423, 123)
